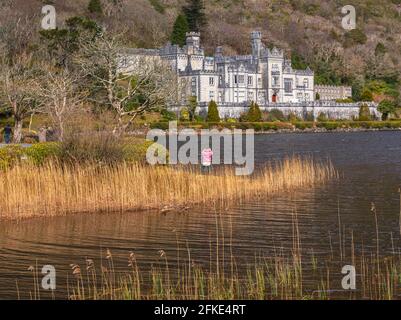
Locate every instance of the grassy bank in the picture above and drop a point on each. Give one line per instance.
(288, 126)
(56, 189)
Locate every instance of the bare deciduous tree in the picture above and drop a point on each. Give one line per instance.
(128, 88)
(18, 90)
(17, 69)
(60, 97)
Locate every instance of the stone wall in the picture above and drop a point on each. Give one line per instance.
(331, 109)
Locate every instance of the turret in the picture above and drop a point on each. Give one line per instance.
(256, 43)
(193, 39)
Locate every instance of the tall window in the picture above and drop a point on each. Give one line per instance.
(288, 85)
(306, 83)
(241, 79)
(221, 97)
(250, 80)
(211, 81)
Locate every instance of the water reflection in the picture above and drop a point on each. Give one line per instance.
(370, 169)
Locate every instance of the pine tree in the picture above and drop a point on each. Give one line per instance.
(192, 105)
(195, 14)
(180, 29)
(254, 113)
(213, 112)
(364, 113)
(95, 6)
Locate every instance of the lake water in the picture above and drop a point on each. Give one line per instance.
(369, 164)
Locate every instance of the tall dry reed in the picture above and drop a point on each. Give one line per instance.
(54, 189)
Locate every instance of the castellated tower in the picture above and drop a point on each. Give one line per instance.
(256, 42)
(193, 39)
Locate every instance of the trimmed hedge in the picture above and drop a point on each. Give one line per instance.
(269, 126)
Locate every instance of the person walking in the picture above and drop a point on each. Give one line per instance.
(207, 156)
(7, 134)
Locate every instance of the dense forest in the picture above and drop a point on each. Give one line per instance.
(310, 32)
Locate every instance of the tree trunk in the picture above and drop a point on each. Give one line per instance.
(17, 137)
(119, 129)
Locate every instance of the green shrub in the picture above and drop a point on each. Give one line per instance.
(40, 152)
(386, 107)
(168, 115)
(274, 115)
(254, 114)
(292, 117)
(303, 125)
(213, 112)
(199, 119)
(355, 37)
(184, 114)
(329, 125)
(9, 155)
(257, 126)
(134, 150)
(364, 113)
(366, 95)
(322, 117)
(347, 100)
(268, 126)
(95, 6)
(231, 120)
(159, 125)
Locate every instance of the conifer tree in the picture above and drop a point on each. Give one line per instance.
(364, 113)
(195, 14)
(213, 112)
(180, 29)
(95, 6)
(254, 113)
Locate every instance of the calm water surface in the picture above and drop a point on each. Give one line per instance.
(369, 164)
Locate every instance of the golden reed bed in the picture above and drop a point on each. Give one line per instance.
(53, 189)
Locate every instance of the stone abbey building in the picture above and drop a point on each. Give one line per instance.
(263, 76)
